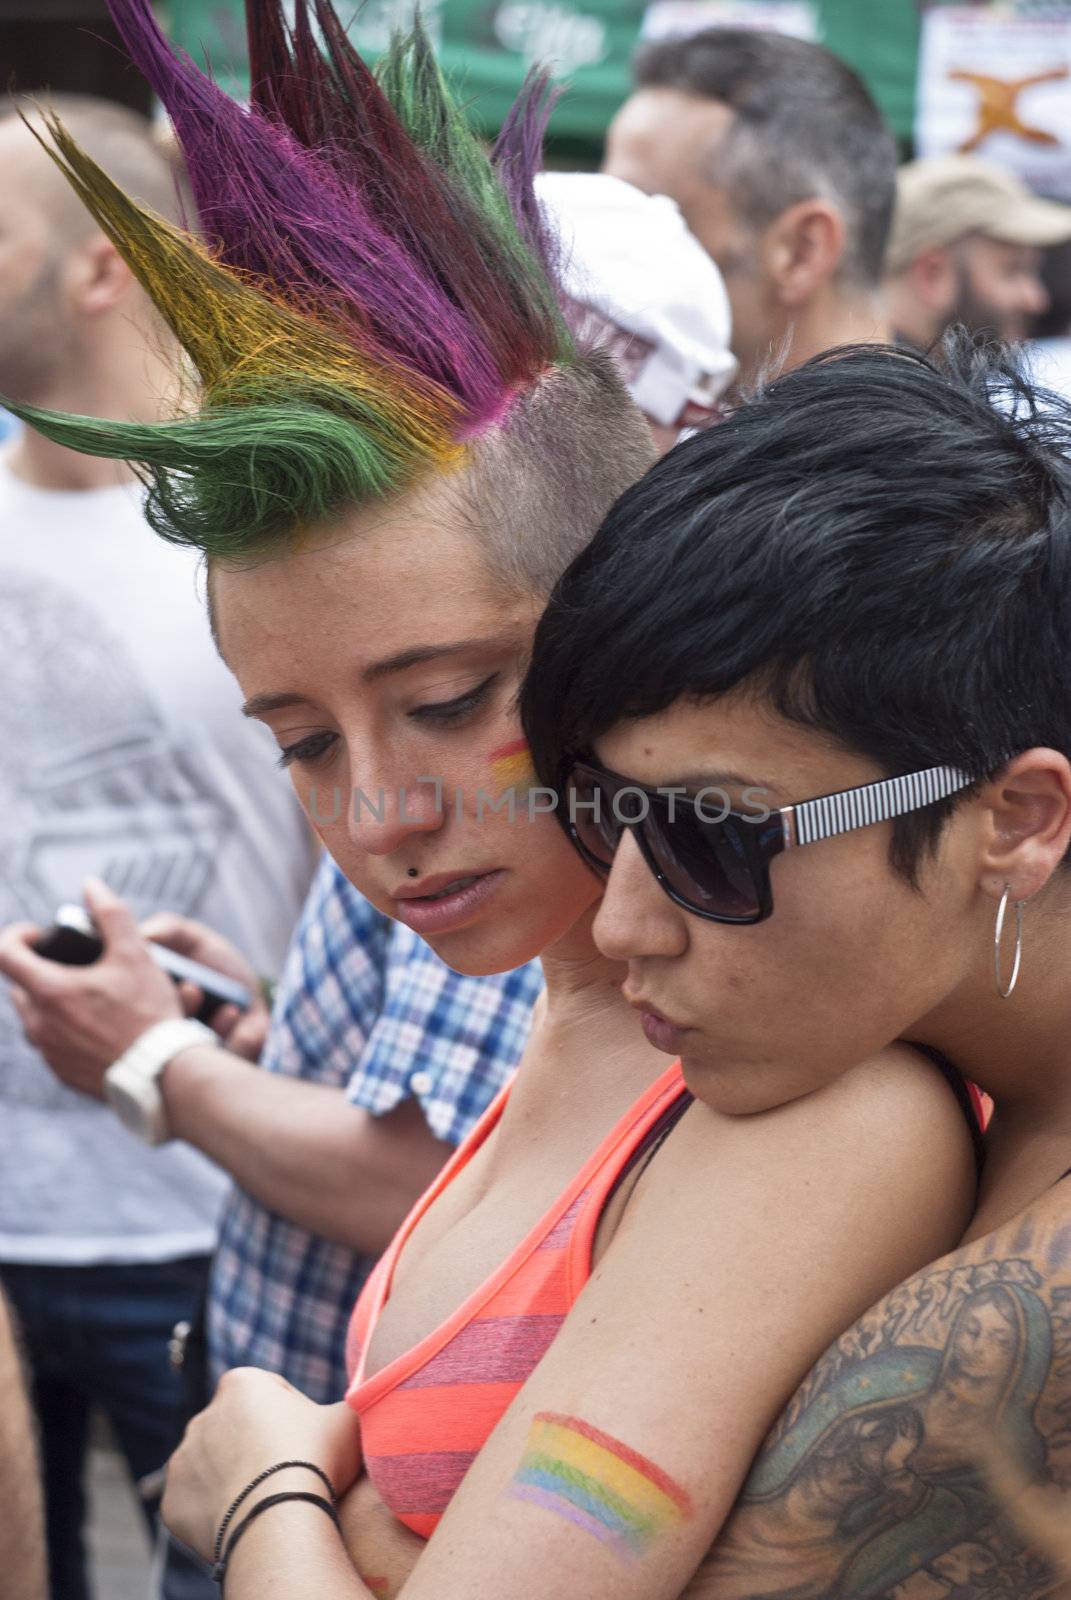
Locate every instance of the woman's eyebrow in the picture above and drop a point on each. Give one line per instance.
(260, 704)
(716, 780)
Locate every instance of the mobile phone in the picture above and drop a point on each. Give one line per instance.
(74, 940)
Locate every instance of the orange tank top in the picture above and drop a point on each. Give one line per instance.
(427, 1414)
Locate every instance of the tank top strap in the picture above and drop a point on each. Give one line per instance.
(557, 1228)
(377, 1288)
(653, 1122)
(968, 1095)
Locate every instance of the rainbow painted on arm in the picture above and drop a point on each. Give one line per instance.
(598, 1484)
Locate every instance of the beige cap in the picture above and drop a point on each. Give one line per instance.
(942, 198)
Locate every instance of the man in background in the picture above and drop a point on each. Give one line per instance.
(125, 758)
(784, 171)
(967, 246)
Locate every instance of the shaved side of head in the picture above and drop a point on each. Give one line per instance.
(125, 144)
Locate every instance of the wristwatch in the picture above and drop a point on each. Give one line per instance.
(132, 1083)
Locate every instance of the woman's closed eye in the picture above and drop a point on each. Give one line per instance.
(446, 712)
(310, 749)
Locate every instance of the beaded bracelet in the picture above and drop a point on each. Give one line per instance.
(280, 1466)
(219, 1569)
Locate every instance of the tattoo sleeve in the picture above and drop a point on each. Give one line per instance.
(876, 1481)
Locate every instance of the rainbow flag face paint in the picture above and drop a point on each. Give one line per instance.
(598, 1484)
(511, 766)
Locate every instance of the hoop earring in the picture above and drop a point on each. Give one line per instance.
(998, 934)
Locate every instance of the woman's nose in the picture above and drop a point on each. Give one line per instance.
(635, 918)
(383, 819)
(377, 811)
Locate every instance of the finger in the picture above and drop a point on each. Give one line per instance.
(168, 928)
(224, 1018)
(25, 1009)
(20, 962)
(28, 1014)
(190, 998)
(113, 917)
(249, 1037)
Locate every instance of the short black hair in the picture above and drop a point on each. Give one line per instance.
(805, 125)
(877, 544)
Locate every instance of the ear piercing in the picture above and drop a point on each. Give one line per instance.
(412, 872)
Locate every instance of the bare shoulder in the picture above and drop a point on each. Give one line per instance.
(898, 1079)
(892, 1106)
(878, 1478)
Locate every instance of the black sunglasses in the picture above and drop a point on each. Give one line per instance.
(716, 862)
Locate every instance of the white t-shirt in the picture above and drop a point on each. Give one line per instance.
(122, 753)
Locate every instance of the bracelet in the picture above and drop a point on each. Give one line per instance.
(219, 1569)
(280, 1466)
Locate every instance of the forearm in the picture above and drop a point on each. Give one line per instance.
(22, 1558)
(301, 1148)
(381, 1548)
(291, 1552)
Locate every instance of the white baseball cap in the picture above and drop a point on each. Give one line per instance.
(642, 284)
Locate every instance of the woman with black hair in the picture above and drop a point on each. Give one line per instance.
(858, 588)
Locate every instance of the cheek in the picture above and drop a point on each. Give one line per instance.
(848, 962)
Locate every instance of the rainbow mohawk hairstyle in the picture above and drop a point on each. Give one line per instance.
(372, 292)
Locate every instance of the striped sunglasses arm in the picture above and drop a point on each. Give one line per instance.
(873, 802)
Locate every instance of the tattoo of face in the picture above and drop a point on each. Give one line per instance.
(600, 1485)
(876, 1482)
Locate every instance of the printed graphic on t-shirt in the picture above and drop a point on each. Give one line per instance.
(90, 782)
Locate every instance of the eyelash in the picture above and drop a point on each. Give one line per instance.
(310, 749)
(443, 714)
(450, 711)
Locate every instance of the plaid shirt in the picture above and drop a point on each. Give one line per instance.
(364, 1005)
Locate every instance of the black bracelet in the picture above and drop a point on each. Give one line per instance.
(219, 1570)
(280, 1466)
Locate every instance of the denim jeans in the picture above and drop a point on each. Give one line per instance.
(98, 1335)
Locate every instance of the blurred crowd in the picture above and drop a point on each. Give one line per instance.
(750, 214)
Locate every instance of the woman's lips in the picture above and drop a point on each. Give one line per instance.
(662, 1033)
(449, 911)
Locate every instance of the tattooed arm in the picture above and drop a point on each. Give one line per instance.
(875, 1483)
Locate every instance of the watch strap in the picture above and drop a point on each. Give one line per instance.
(131, 1083)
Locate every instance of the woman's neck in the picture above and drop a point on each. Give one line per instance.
(1018, 1051)
(585, 1021)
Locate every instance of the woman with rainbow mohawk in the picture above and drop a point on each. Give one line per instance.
(390, 452)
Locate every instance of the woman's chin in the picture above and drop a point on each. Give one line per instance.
(476, 952)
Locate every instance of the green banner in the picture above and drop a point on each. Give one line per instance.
(486, 46)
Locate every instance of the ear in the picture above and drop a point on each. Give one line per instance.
(933, 280)
(96, 278)
(1028, 826)
(802, 249)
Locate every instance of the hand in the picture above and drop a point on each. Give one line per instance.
(243, 1032)
(81, 1019)
(255, 1420)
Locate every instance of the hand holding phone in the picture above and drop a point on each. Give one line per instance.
(74, 941)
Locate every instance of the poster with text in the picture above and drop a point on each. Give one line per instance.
(998, 84)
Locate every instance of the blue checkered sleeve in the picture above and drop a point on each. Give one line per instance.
(364, 1005)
